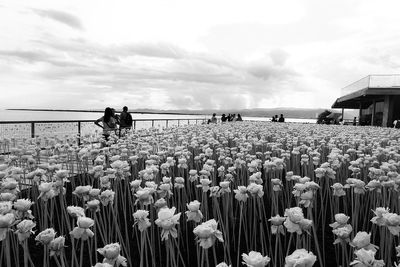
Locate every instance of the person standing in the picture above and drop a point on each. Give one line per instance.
(108, 123)
(281, 118)
(114, 115)
(213, 118)
(239, 118)
(125, 121)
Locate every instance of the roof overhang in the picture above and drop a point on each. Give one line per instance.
(364, 97)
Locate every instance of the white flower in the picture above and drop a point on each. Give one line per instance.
(46, 191)
(277, 224)
(341, 220)
(6, 222)
(167, 219)
(56, 245)
(111, 253)
(241, 193)
(141, 219)
(276, 184)
(83, 191)
(46, 236)
(24, 229)
(338, 190)
(255, 189)
(366, 258)
(206, 233)
(343, 233)
(144, 196)
(204, 184)
(362, 240)
(300, 257)
(392, 222)
(106, 197)
(294, 217)
(255, 259)
(224, 187)
(82, 230)
(194, 213)
(76, 211)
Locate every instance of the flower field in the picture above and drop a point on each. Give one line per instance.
(236, 194)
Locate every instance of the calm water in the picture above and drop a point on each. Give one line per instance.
(17, 115)
(11, 115)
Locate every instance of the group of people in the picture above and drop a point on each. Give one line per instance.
(224, 118)
(113, 123)
(276, 119)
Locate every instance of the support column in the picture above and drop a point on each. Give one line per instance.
(373, 112)
(388, 107)
(343, 115)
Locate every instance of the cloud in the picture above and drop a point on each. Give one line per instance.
(160, 50)
(279, 56)
(60, 16)
(174, 58)
(24, 55)
(270, 72)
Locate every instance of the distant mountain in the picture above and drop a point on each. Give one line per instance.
(298, 113)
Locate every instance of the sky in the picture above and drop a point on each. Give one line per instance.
(184, 54)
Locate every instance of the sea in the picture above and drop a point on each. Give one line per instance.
(24, 115)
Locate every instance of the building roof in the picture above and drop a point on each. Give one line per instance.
(362, 92)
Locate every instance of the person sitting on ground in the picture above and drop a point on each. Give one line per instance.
(125, 121)
(273, 119)
(108, 123)
(213, 118)
(239, 118)
(233, 117)
(224, 118)
(281, 118)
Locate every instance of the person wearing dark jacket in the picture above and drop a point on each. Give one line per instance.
(281, 118)
(125, 121)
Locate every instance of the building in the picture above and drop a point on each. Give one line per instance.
(377, 97)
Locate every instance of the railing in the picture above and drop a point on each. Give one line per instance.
(32, 129)
(373, 81)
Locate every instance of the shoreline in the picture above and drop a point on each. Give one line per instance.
(160, 112)
(99, 111)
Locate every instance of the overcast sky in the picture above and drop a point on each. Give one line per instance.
(192, 54)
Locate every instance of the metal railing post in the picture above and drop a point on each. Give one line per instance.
(166, 123)
(152, 123)
(32, 129)
(134, 124)
(79, 133)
